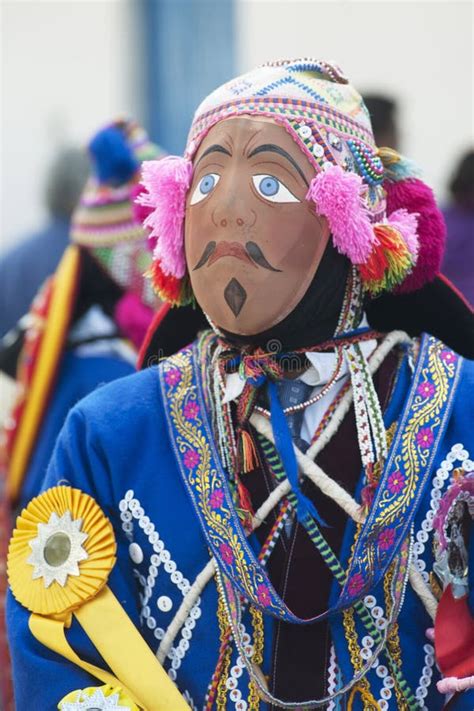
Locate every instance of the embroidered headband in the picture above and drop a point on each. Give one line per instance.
(382, 217)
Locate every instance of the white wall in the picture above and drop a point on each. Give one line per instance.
(421, 53)
(70, 65)
(67, 68)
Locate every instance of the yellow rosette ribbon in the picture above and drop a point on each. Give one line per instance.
(105, 698)
(60, 557)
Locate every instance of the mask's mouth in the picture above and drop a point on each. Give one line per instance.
(313, 320)
(250, 253)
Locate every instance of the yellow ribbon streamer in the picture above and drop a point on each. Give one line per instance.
(116, 638)
(59, 314)
(50, 632)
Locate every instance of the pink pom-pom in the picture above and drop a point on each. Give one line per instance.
(406, 223)
(167, 182)
(139, 211)
(416, 197)
(337, 196)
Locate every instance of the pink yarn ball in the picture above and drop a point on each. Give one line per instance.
(416, 197)
(167, 181)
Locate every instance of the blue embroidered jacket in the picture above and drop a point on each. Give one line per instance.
(116, 446)
(78, 376)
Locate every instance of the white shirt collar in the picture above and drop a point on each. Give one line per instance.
(320, 371)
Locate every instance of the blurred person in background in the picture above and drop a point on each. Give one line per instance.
(24, 267)
(383, 116)
(86, 323)
(458, 264)
(250, 525)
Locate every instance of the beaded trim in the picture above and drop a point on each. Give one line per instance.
(440, 481)
(375, 622)
(332, 680)
(130, 511)
(457, 453)
(368, 414)
(219, 679)
(368, 162)
(226, 631)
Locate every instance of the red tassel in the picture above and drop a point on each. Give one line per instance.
(244, 497)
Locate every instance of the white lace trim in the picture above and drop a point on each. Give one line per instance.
(131, 511)
(440, 481)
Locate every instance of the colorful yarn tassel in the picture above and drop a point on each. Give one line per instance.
(176, 292)
(407, 224)
(389, 262)
(167, 182)
(245, 502)
(396, 166)
(247, 455)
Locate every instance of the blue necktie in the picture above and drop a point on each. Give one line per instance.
(291, 393)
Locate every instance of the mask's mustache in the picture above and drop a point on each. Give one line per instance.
(251, 253)
(208, 250)
(258, 257)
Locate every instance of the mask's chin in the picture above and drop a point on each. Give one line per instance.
(315, 317)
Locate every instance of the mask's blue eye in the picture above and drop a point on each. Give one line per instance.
(205, 186)
(272, 189)
(268, 186)
(207, 183)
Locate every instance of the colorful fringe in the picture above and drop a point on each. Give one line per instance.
(389, 262)
(177, 292)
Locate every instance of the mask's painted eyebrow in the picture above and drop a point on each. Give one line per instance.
(276, 149)
(215, 148)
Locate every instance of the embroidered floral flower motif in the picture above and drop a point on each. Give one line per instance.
(425, 437)
(173, 377)
(386, 538)
(226, 552)
(426, 389)
(356, 584)
(263, 595)
(216, 499)
(447, 356)
(191, 410)
(191, 459)
(396, 482)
